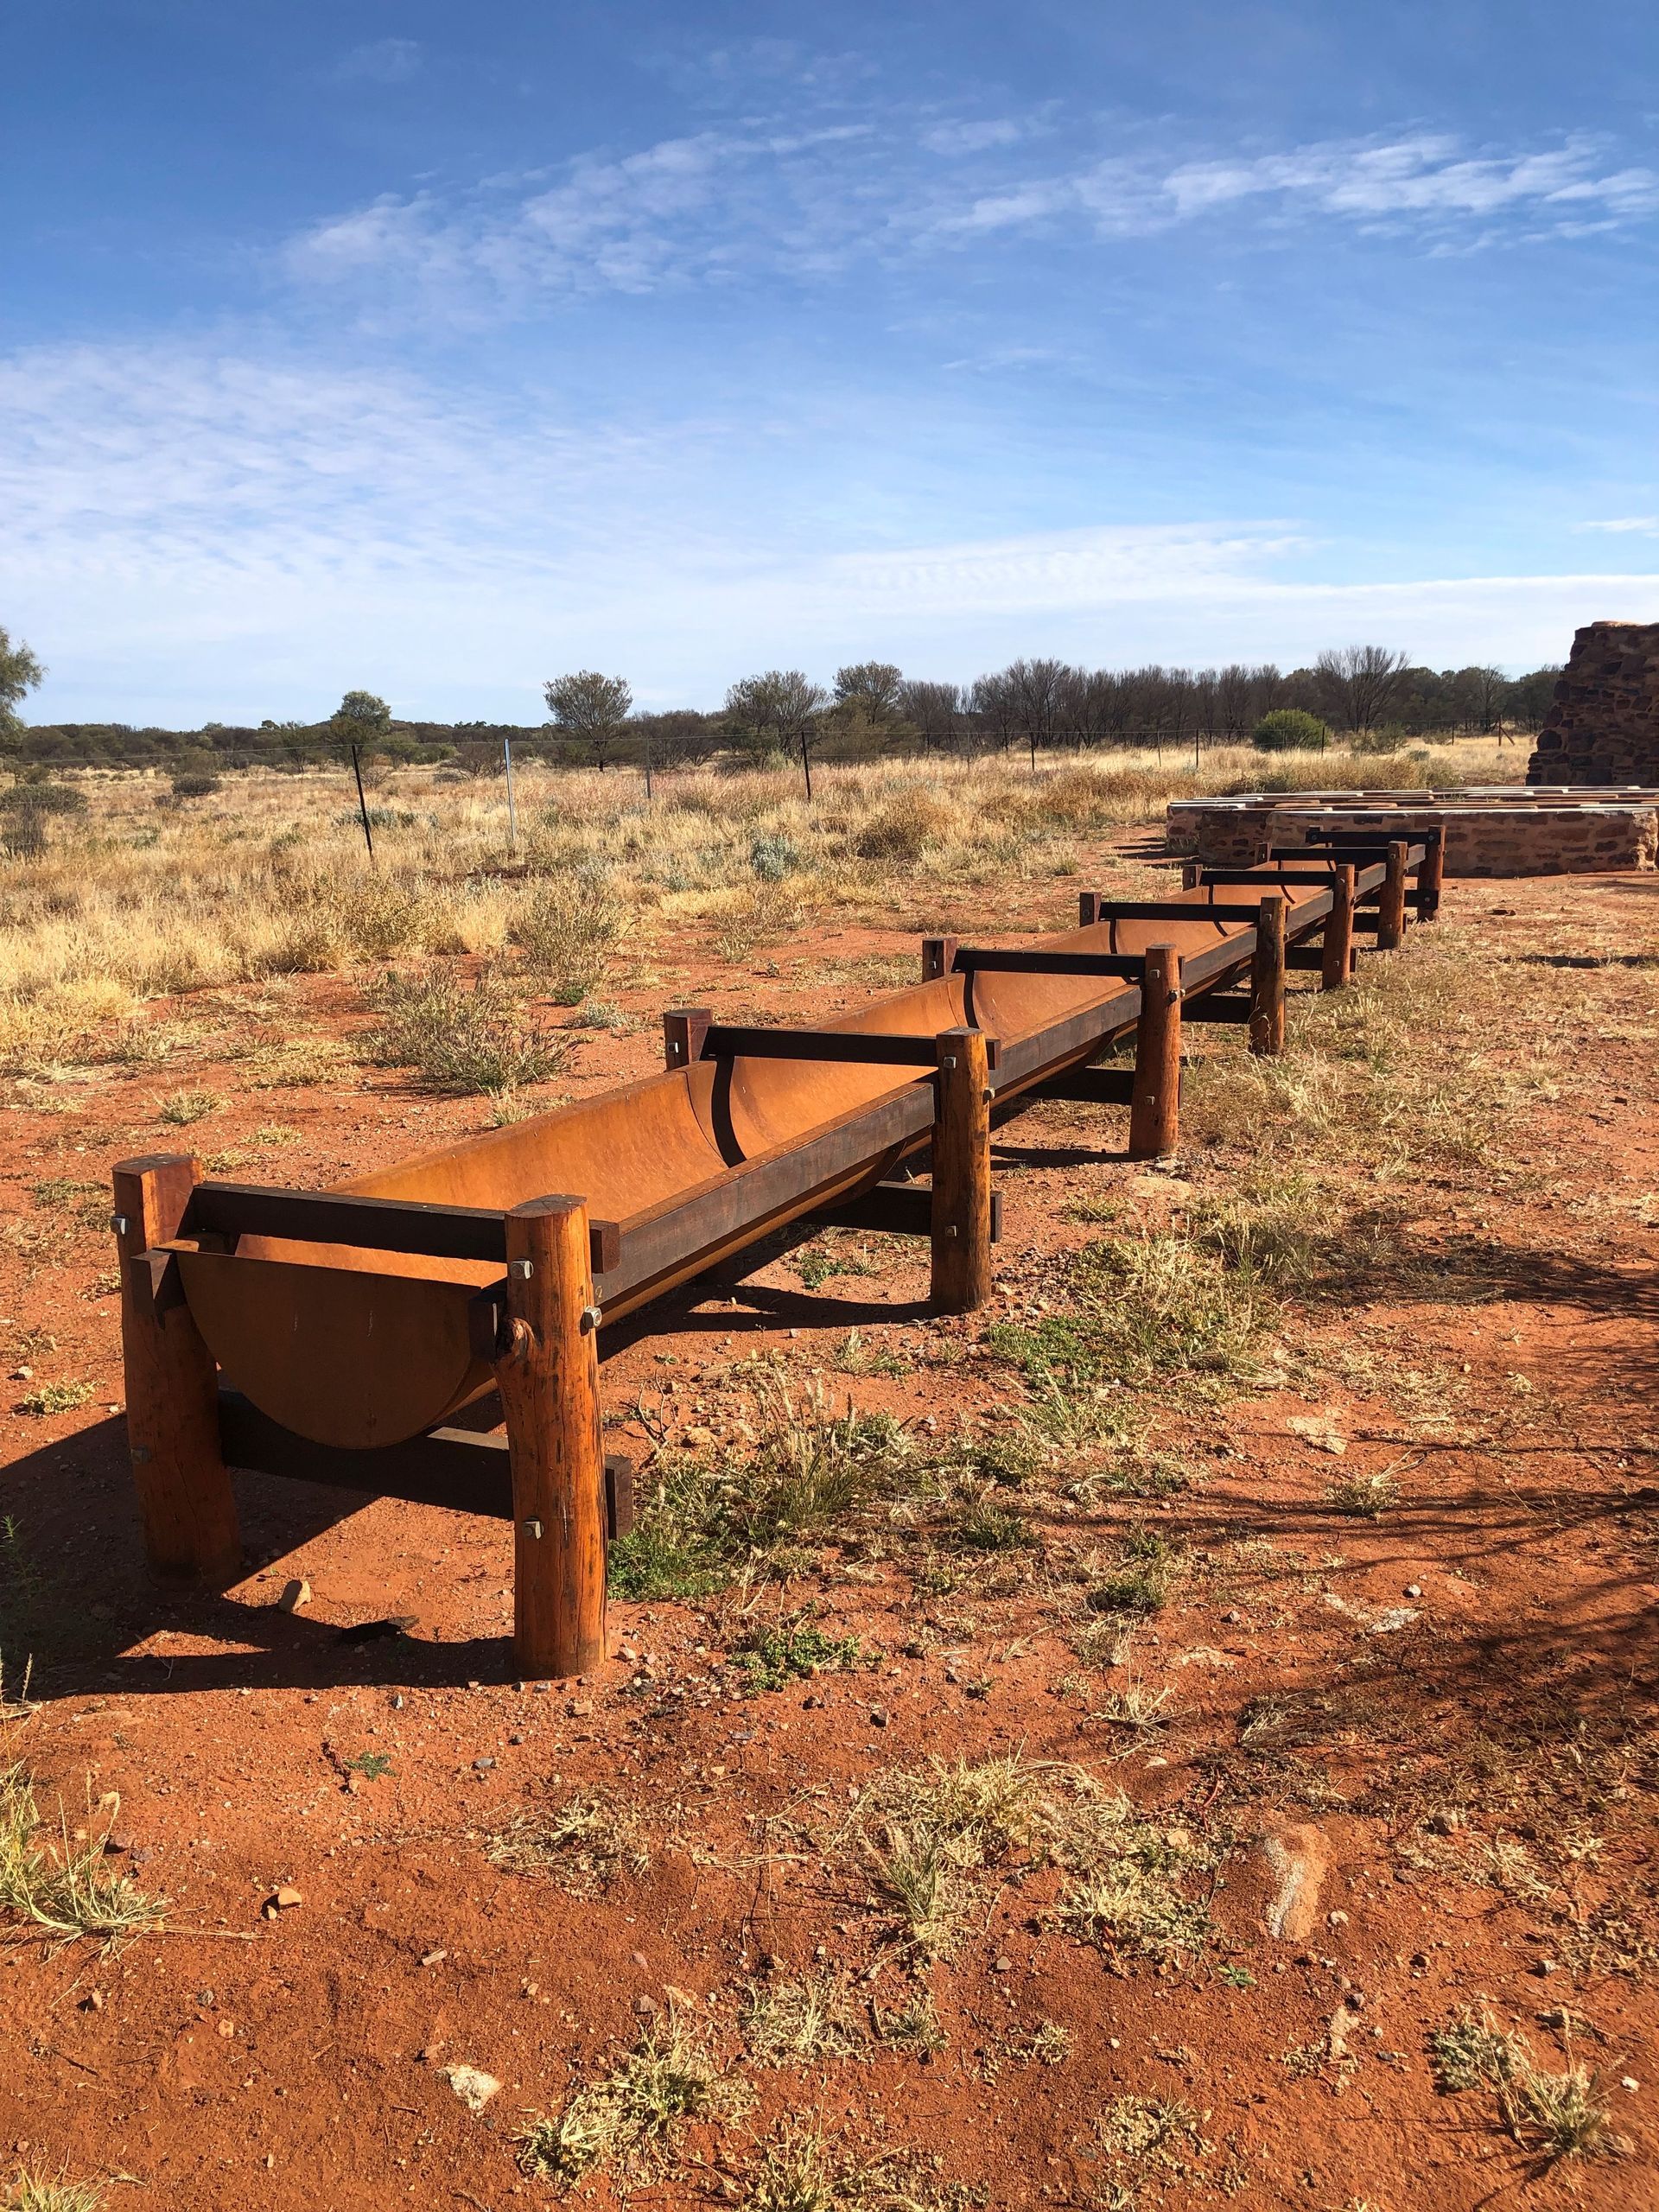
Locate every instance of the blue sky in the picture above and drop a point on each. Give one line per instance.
(437, 349)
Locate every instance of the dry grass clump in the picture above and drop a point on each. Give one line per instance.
(800, 2171)
(922, 1835)
(1553, 2116)
(801, 1470)
(65, 1884)
(583, 1844)
(788, 2023)
(567, 929)
(462, 1038)
(633, 2120)
(29, 2190)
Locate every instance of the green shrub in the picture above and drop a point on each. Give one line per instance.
(1290, 729)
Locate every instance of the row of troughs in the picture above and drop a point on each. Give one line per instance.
(432, 1330)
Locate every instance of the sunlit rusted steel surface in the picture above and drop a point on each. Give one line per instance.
(357, 1348)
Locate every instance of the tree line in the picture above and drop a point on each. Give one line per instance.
(1369, 696)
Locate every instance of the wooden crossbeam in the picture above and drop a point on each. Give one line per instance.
(725, 1040)
(438, 1232)
(463, 1470)
(897, 1210)
(1089, 1087)
(1026, 960)
(1093, 907)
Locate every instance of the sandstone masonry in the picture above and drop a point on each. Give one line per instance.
(1604, 727)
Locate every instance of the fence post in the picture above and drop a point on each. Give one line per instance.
(547, 1369)
(938, 955)
(1268, 981)
(962, 1174)
(1391, 904)
(1155, 1107)
(185, 1504)
(1337, 944)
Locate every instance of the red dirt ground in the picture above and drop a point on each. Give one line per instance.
(1486, 1651)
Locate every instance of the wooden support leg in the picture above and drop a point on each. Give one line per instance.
(1391, 905)
(1431, 875)
(962, 1174)
(1088, 909)
(938, 955)
(547, 1369)
(1268, 982)
(1337, 946)
(1192, 874)
(185, 1500)
(683, 1031)
(1155, 1110)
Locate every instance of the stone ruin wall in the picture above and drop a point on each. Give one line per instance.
(1604, 727)
(1516, 834)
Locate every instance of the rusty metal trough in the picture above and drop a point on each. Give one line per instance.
(337, 1336)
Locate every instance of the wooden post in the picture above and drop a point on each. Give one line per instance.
(1088, 908)
(1192, 874)
(547, 1369)
(1391, 905)
(683, 1031)
(1268, 981)
(1155, 1107)
(962, 1174)
(939, 956)
(1431, 875)
(185, 1501)
(1337, 944)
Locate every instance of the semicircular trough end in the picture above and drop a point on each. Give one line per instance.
(344, 1358)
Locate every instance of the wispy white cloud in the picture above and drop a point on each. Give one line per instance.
(383, 61)
(197, 533)
(733, 203)
(975, 138)
(1625, 525)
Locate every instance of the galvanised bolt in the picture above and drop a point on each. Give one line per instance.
(590, 1320)
(523, 1269)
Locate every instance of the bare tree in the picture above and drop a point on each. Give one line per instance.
(1037, 691)
(993, 700)
(1358, 682)
(590, 708)
(938, 713)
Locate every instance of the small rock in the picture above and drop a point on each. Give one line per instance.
(645, 2007)
(878, 1716)
(92, 2001)
(580, 1707)
(1002, 1966)
(397, 1701)
(640, 1960)
(1444, 1823)
(472, 2085)
(1299, 1857)
(1336, 1919)
(1628, 2081)
(482, 1766)
(282, 1900)
(22, 1375)
(227, 2029)
(1413, 1589)
(296, 1596)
